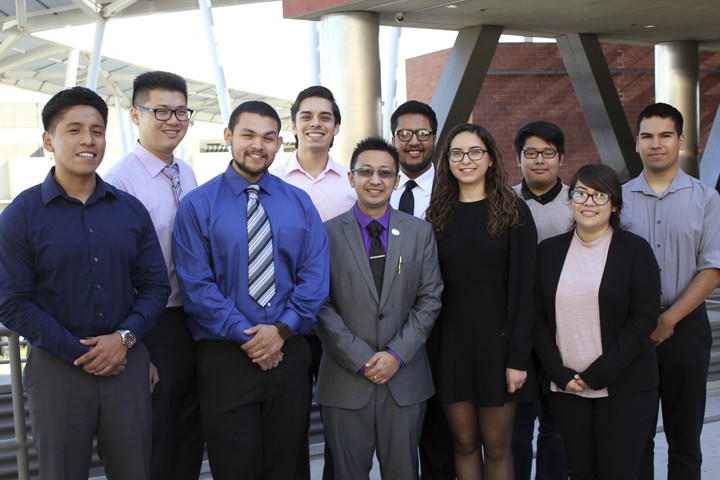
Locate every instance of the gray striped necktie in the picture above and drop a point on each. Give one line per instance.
(173, 173)
(261, 268)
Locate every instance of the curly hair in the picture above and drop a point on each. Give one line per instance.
(502, 201)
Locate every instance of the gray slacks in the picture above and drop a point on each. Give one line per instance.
(381, 427)
(69, 407)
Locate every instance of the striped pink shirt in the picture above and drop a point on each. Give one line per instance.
(577, 309)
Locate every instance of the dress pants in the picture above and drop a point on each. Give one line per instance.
(68, 407)
(255, 422)
(178, 444)
(437, 456)
(605, 437)
(684, 360)
(381, 427)
(550, 463)
(316, 350)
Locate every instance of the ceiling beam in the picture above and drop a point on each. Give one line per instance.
(21, 15)
(8, 43)
(89, 7)
(18, 60)
(115, 7)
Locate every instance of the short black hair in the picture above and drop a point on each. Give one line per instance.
(375, 143)
(158, 80)
(662, 110)
(315, 91)
(414, 107)
(254, 106)
(56, 107)
(548, 131)
(601, 178)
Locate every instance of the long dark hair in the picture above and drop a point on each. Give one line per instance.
(502, 200)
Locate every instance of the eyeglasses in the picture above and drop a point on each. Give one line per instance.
(599, 198)
(164, 114)
(422, 134)
(533, 154)
(369, 172)
(475, 154)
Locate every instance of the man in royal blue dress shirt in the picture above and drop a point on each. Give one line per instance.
(250, 320)
(82, 277)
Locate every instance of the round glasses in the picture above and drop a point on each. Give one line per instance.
(599, 198)
(421, 134)
(533, 154)
(165, 114)
(474, 154)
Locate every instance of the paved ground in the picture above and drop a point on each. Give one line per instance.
(710, 441)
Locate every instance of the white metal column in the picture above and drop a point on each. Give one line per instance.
(220, 86)
(72, 66)
(96, 56)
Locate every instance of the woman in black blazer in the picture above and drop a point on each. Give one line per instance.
(598, 300)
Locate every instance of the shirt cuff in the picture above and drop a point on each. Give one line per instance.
(400, 361)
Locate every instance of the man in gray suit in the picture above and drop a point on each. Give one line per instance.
(385, 288)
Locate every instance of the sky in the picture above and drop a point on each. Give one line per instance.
(259, 50)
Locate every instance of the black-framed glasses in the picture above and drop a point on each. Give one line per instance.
(165, 114)
(369, 172)
(599, 198)
(532, 154)
(421, 134)
(475, 154)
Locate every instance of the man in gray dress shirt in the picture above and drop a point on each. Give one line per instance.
(680, 217)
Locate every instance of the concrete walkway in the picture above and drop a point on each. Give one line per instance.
(710, 442)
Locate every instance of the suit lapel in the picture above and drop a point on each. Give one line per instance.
(392, 255)
(357, 248)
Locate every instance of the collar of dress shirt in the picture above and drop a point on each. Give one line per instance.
(424, 181)
(51, 189)
(149, 160)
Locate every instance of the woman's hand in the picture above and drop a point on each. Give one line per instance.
(515, 379)
(574, 386)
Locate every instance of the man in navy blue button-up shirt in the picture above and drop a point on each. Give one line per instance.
(253, 359)
(82, 277)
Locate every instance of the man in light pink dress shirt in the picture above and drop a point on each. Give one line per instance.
(315, 122)
(156, 177)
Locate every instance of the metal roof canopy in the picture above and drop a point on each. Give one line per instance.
(32, 63)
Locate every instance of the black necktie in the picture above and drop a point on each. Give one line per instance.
(377, 254)
(407, 199)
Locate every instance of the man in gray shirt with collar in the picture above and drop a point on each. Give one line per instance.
(680, 217)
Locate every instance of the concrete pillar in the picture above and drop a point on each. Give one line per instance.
(599, 99)
(351, 69)
(677, 82)
(460, 82)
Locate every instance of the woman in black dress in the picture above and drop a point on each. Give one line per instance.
(482, 340)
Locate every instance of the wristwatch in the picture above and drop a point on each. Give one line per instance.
(283, 329)
(128, 338)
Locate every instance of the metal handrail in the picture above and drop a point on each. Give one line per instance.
(21, 443)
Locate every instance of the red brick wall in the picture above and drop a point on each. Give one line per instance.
(527, 82)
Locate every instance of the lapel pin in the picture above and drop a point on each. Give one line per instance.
(395, 232)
